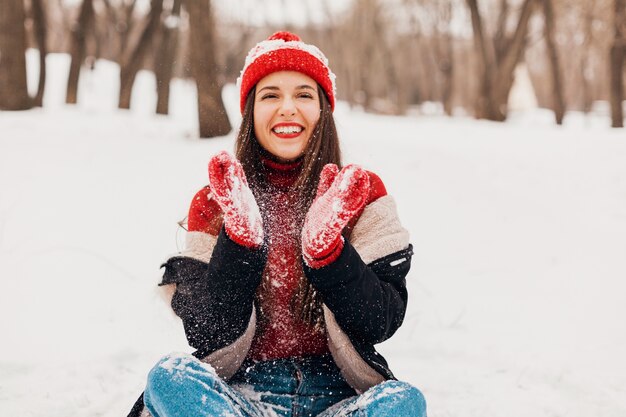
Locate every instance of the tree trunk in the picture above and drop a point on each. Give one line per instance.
(586, 96)
(164, 59)
(445, 55)
(39, 17)
(617, 64)
(515, 49)
(13, 84)
(133, 64)
(558, 103)
(391, 72)
(497, 75)
(211, 112)
(484, 103)
(119, 18)
(500, 39)
(124, 27)
(447, 68)
(617, 87)
(77, 48)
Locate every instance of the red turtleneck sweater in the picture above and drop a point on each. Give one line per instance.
(279, 333)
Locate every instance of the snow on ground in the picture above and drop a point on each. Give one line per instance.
(517, 291)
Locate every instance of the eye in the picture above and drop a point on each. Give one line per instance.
(305, 95)
(269, 96)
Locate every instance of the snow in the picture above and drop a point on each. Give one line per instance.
(517, 288)
(179, 361)
(331, 212)
(242, 215)
(349, 178)
(522, 96)
(256, 397)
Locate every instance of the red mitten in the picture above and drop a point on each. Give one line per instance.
(205, 215)
(242, 218)
(339, 198)
(327, 176)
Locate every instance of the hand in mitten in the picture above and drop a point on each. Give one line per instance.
(205, 215)
(242, 219)
(340, 197)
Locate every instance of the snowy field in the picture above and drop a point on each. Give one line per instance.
(517, 291)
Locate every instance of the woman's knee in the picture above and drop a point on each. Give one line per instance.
(403, 398)
(174, 369)
(182, 382)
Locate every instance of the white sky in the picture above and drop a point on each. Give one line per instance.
(294, 12)
(277, 12)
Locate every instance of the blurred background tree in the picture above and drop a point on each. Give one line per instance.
(452, 57)
(79, 31)
(13, 88)
(617, 63)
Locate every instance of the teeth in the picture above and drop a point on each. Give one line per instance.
(288, 129)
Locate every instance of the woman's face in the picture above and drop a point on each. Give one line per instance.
(286, 110)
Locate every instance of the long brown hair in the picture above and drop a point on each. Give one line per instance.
(322, 148)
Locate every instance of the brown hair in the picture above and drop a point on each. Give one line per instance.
(322, 148)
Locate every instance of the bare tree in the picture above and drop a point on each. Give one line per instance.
(13, 86)
(558, 102)
(587, 22)
(498, 58)
(367, 64)
(444, 52)
(119, 17)
(164, 58)
(211, 112)
(60, 33)
(79, 32)
(39, 18)
(236, 45)
(341, 58)
(617, 64)
(132, 64)
(124, 25)
(582, 39)
(390, 73)
(360, 56)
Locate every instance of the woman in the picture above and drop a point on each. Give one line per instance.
(294, 266)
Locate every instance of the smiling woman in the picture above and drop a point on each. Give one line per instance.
(294, 266)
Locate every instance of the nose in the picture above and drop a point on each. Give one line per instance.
(288, 107)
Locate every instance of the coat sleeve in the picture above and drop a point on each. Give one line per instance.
(368, 301)
(215, 299)
(215, 279)
(365, 288)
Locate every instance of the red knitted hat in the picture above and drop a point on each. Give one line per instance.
(284, 51)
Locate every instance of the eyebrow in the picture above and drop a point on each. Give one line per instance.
(300, 87)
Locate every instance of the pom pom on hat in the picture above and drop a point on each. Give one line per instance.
(284, 51)
(286, 36)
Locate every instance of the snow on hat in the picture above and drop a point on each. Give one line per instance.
(284, 51)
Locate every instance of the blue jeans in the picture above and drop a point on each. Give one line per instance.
(182, 386)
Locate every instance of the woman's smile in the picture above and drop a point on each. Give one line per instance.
(287, 130)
